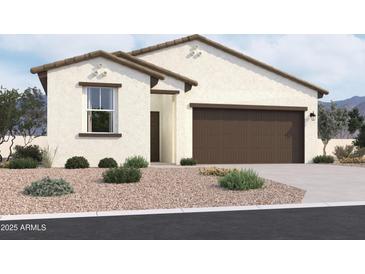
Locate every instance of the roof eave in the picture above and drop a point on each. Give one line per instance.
(233, 52)
(95, 54)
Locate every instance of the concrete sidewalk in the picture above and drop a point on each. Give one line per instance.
(323, 183)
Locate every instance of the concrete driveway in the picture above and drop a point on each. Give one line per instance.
(323, 183)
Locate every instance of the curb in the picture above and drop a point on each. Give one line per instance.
(173, 211)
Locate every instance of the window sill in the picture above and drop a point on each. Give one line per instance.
(95, 134)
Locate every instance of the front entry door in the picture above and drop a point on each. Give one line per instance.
(155, 136)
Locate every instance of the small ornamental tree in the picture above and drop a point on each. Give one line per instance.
(33, 115)
(9, 115)
(360, 139)
(21, 114)
(330, 123)
(356, 120)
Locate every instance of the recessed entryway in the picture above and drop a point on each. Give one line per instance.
(155, 136)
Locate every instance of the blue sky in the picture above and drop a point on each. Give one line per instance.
(334, 62)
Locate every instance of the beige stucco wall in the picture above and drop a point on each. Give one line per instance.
(330, 149)
(41, 141)
(67, 113)
(225, 79)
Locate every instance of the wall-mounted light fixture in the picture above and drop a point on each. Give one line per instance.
(312, 115)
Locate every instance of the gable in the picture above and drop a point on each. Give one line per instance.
(163, 47)
(130, 63)
(222, 74)
(119, 58)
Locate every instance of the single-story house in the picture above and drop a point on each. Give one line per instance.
(190, 97)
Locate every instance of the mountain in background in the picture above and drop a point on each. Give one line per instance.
(356, 101)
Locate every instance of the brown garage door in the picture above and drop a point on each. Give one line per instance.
(248, 136)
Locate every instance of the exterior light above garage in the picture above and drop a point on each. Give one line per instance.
(312, 115)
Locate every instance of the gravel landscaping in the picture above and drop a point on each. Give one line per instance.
(158, 188)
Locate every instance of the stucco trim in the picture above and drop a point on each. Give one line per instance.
(253, 107)
(235, 53)
(164, 91)
(95, 134)
(98, 84)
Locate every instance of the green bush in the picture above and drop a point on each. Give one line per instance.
(187, 162)
(107, 163)
(32, 152)
(122, 175)
(76, 162)
(323, 159)
(22, 163)
(241, 180)
(136, 162)
(49, 187)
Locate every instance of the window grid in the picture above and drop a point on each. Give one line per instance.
(89, 108)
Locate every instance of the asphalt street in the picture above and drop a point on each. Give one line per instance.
(302, 223)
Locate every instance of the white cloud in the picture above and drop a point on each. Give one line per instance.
(336, 62)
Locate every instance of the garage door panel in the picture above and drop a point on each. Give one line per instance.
(248, 136)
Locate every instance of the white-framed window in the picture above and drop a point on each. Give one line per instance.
(101, 109)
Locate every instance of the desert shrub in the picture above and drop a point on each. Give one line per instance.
(22, 163)
(48, 157)
(241, 180)
(342, 152)
(323, 159)
(32, 152)
(107, 163)
(4, 164)
(187, 162)
(358, 153)
(76, 162)
(215, 171)
(136, 162)
(49, 187)
(353, 160)
(122, 175)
